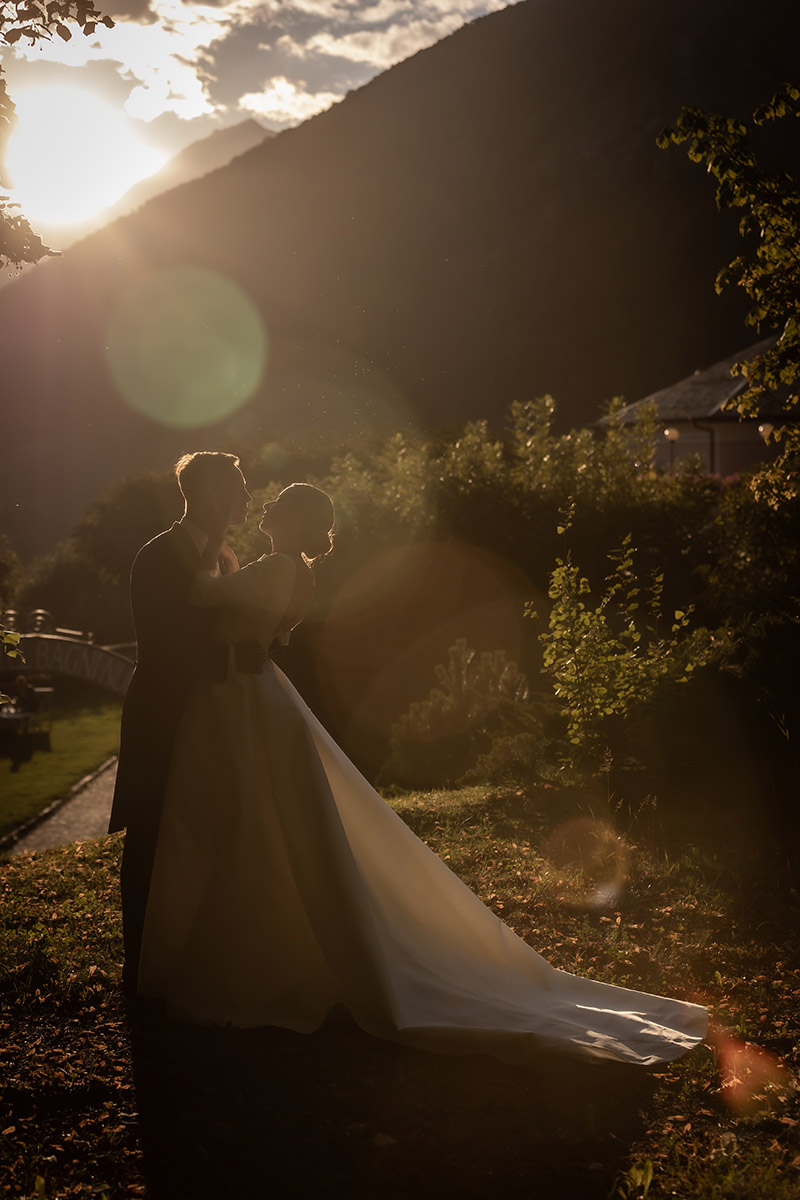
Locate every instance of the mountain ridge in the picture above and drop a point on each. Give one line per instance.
(194, 161)
(487, 221)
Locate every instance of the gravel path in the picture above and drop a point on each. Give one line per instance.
(84, 815)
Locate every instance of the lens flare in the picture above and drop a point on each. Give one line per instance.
(752, 1080)
(186, 347)
(428, 595)
(598, 856)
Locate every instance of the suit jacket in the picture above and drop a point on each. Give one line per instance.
(175, 649)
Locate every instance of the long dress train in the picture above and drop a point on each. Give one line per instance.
(284, 885)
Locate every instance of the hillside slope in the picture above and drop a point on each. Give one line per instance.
(489, 220)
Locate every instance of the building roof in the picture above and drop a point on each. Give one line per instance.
(702, 395)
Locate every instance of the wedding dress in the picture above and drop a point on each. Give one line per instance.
(285, 886)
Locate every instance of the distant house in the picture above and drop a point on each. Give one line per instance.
(692, 419)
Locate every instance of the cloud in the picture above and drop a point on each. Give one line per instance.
(286, 103)
(329, 10)
(193, 59)
(468, 9)
(384, 10)
(169, 58)
(386, 31)
(383, 48)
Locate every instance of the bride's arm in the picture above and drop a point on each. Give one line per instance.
(266, 583)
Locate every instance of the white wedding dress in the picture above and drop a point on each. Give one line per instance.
(285, 886)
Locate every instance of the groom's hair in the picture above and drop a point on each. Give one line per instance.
(205, 469)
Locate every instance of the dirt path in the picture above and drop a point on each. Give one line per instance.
(84, 815)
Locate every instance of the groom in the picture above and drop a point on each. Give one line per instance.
(175, 649)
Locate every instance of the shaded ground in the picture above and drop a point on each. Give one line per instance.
(339, 1114)
(95, 1106)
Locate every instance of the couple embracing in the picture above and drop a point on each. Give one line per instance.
(264, 881)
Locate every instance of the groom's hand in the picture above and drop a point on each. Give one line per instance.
(249, 656)
(227, 560)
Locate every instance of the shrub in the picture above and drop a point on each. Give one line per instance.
(609, 661)
(439, 738)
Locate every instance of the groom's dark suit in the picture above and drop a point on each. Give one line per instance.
(176, 649)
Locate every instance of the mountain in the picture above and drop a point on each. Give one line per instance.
(195, 160)
(489, 220)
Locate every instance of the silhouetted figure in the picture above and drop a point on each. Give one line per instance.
(176, 648)
(284, 888)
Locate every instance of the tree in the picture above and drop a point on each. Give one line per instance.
(770, 273)
(9, 571)
(84, 581)
(33, 20)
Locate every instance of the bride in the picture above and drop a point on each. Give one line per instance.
(284, 886)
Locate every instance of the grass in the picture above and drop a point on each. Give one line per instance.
(98, 1107)
(85, 733)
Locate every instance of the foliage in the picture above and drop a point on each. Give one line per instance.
(383, 487)
(770, 273)
(33, 21)
(9, 640)
(132, 511)
(494, 499)
(9, 572)
(80, 595)
(10, 647)
(84, 581)
(610, 660)
(756, 566)
(440, 736)
(613, 467)
(516, 757)
(634, 1183)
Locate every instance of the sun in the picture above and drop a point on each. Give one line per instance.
(71, 155)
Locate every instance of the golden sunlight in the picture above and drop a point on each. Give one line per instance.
(71, 155)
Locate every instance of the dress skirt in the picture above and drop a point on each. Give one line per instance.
(285, 886)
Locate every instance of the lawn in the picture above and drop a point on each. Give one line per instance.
(85, 733)
(95, 1106)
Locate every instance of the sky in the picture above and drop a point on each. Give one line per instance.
(177, 71)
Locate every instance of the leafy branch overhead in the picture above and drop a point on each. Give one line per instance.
(33, 21)
(10, 647)
(769, 200)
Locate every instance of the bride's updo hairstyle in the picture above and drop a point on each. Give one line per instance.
(312, 509)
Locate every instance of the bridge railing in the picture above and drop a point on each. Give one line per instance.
(51, 650)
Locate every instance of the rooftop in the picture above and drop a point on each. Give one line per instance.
(702, 395)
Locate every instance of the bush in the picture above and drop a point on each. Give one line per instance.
(439, 738)
(609, 662)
